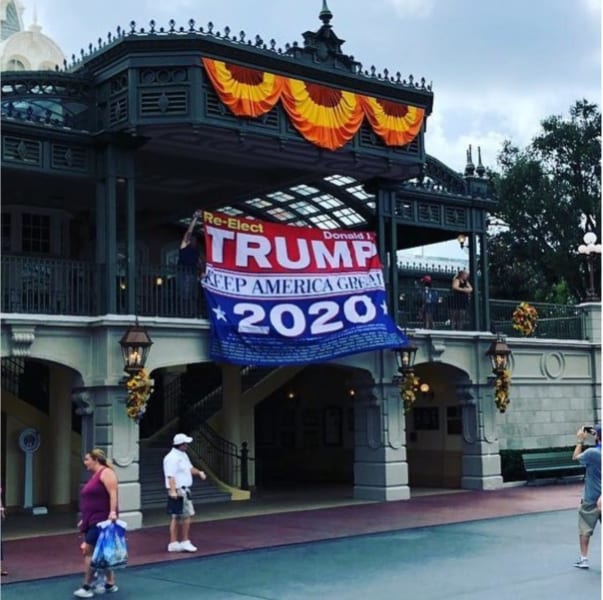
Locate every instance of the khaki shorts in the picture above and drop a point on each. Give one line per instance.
(188, 510)
(588, 515)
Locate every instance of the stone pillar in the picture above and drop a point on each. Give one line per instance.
(481, 468)
(592, 321)
(117, 435)
(380, 466)
(231, 410)
(592, 332)
(60, 430)
(231, 403)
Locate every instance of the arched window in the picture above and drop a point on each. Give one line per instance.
(14, 64)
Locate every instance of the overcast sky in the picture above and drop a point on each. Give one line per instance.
(498, 67)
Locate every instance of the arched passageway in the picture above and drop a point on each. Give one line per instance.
(434, 429)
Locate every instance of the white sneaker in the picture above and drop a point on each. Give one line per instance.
(582, 563)
(186, 546)
(84, 593)
(174, 547)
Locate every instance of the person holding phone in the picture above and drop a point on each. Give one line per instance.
(589, 511)
(178, 471)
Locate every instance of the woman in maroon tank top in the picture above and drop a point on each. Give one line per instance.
(98, 502)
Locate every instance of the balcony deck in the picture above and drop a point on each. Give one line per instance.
(32, 285)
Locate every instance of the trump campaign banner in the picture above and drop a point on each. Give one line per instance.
(283, 295)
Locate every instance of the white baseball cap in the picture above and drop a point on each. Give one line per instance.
(181, 438)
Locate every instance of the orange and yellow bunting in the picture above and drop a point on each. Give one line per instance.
(247, 92)
(397, 124)
(326, 117)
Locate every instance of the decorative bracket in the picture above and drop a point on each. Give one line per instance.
(436, 349)
(84, 405)
(22, 338)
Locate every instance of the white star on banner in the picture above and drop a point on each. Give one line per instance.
(220, 314)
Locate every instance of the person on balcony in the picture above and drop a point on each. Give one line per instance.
(460, 295)
(178, 471)
(191, 258)
(429, 299)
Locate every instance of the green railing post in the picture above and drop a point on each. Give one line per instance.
(244, 466)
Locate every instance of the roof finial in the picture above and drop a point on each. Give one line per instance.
(325, 14)
(34, 26)
(469, 167)
(480, 167)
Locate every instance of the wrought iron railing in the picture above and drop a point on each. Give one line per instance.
(555, 321)
(411, 311)
(220, 455)
(69, 287)
(33, 285)
(49, 286)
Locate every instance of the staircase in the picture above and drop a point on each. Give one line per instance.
(221, 457)
(153, 493)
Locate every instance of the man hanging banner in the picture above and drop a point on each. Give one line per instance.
(283, 295)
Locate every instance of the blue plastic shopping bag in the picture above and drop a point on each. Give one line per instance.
(110, 551)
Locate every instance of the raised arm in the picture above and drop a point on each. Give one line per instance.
(186, 238)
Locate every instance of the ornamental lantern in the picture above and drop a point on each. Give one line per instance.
(135, 345)
(405, 357)
(499, 353)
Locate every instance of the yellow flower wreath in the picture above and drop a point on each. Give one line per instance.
(525, 319)
(140, 387)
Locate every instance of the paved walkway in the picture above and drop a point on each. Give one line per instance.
(51, 555)
(523, 557)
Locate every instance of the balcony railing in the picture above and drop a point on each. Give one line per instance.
(554, 320)
(49, 286)
(32, 285)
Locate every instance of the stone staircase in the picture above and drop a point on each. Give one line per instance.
(153, 493)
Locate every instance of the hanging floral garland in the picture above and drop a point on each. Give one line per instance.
(525, 319)
(140, 387)
(501, 389)
(409, 386)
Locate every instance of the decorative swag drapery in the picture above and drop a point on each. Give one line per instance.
(324, 116)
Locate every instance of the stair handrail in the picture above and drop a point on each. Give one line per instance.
(199, 409)
(229, 464)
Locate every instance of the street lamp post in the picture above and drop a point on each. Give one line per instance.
(590, 249)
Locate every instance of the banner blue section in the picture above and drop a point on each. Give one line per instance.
(267, 332)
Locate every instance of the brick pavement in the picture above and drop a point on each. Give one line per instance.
(52, 555)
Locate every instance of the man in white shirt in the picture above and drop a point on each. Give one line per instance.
(178, 471)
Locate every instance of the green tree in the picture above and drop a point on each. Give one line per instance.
(544, 192)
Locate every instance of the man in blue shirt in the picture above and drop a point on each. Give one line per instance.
(589, 512)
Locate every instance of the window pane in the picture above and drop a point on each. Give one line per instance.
(6, 229)
(36, 233)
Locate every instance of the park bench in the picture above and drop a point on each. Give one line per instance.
(536, 463)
